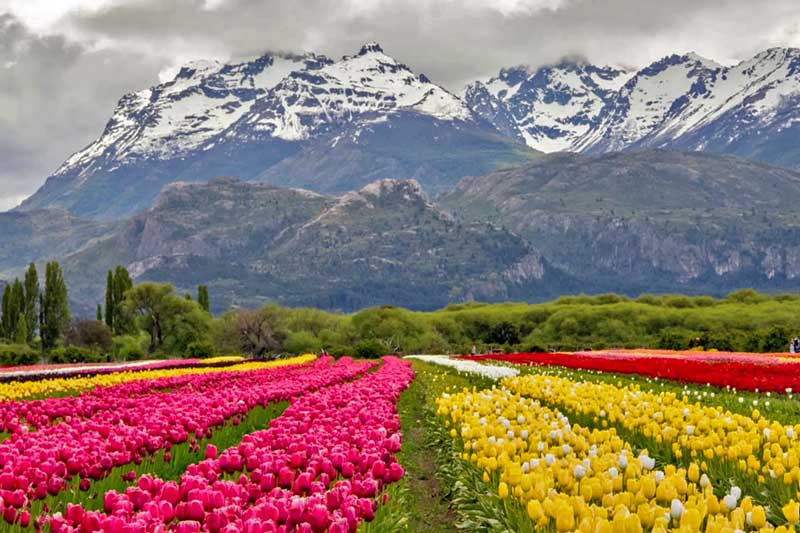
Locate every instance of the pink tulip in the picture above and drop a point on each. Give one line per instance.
(349, 427)
(211, 451)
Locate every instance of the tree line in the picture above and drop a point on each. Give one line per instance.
(153, 319)
(135, 320)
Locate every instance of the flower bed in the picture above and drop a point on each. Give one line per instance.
(35, 464)
(470, 367)
(321, 466)
(48, 385)
(48, 371)
(569, 477)
(743, 373)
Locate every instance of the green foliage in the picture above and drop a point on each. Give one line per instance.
(369, 349)
(18, 354)
(31, 286)
(172, 322)
(21, 332)
(73, 354)
(203, 299)
(122, 321)
(200, 349)
(109, 317)
(91, 334)
(744, 321)
(54, 307)
(302, 342)
(130, 347)
(503, 333)
(775, 339)
(5, 314)
(13, 324)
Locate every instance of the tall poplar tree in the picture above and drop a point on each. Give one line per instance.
(21, 333)
(110, 300)
(55, 307)
(121, 284)
(31, 299)
(5, 318)
(16, 307)
(202, 298)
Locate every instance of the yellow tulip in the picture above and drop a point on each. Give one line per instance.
(758, 517)
(502, 490)
(565, 520)
(791, 511)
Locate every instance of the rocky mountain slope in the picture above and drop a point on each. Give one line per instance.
(216, 119)
(43, 234)
(648, 221)
(681, 101)
(253, 243)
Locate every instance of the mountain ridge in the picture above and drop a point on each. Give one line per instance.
(681, 101)
(254, 242)
(245, 118)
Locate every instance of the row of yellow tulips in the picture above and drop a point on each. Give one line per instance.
(18, 390)
(572, 478)
(764, 448)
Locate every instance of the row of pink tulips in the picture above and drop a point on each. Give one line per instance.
(35, 464)
(321, 466)
(23, 415)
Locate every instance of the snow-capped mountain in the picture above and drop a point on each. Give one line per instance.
(681, 101)
(549, 108)
(369, 83)
(307, 121)
(242, 119)
(172, 118)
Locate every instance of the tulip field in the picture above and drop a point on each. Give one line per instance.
(588, 441)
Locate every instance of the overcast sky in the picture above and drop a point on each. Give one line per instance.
(65, 63)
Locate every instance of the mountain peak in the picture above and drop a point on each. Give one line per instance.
(697, 58)
(389, 186)
(369, 48)
(197, 68)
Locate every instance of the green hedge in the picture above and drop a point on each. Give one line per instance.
(18, 355)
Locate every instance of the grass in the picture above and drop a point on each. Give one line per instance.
(416, 502)
(441, 492)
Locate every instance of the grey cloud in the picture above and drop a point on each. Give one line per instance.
(454, 41)
(57, 95)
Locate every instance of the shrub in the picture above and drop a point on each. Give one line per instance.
(502, 333)
(369, 349)
(73, 354)
(18, 354)
(200, 349)
(129, 347)
(302, 342)
(91, 334)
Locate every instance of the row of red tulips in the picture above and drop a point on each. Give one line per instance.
(768, 374)
(35, 464)
(321, 466)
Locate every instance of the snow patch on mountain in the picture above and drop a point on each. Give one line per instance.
(548, 108)
(684, 101)
(178, 116)
(361, 88)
